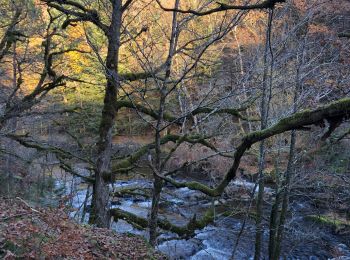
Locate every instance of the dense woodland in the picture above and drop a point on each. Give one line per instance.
(191, 129)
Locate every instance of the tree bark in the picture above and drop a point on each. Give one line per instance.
(282, 196)
(158, 181)
(274, 216)
(100, 200)
(265, 103)
(285, 200)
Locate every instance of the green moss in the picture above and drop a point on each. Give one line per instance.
(207, 218)
(327, 221)
(12, 247)
(131, 234)
(239, 214)
(185, 231)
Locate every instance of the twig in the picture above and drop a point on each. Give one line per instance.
(26, 203)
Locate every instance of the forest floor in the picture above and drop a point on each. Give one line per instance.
(28, 232)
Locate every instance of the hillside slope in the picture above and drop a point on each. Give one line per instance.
(38, 233)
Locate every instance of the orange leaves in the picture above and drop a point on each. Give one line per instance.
(50, 234)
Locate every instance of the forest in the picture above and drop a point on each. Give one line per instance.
(154, 129)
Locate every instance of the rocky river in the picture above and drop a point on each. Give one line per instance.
(304, 239)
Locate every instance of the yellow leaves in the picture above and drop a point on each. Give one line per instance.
(76, 31)
(76, 61)
(35, 42)
(31, 80)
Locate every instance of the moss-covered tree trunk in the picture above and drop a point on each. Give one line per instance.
(153, 222)
(157, 182)
(100, 199)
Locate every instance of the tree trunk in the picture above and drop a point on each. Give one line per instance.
(285, 202)
(276, 235)
(153, 222)
(264, 108)
(260, 202)
(158, 182)
(100, 199)
(274, 216)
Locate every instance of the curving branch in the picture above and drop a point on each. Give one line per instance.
(48, 80)
(179, 120)
(127, 163)
(59, 152)
(229, 111)
(147, 111)
(11, 35)
(224, 7)
(78, 11)
(141, 31)
(335, 111)
(126, 5)
(344, 35)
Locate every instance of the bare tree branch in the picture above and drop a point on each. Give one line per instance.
(224, 7)
(338, 110)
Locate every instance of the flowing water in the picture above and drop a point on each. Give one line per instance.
(303, 240)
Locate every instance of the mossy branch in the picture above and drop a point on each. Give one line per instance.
(229, 111)
(144, 110)
(134, 191)
(59, 152)
(134, 76)
(183, 231)
(179, 119)
(338, 110)
(344, 35)
(128, 162)
(68, 168)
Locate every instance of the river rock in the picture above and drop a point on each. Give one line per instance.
(180, 249)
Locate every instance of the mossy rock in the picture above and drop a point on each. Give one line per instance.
(270, 176)
(338, 226)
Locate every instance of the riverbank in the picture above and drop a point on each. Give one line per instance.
(28, 232)
(304, 239)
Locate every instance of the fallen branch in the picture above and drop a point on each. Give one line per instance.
(134, 191)
(185, 231)
(27, 205)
